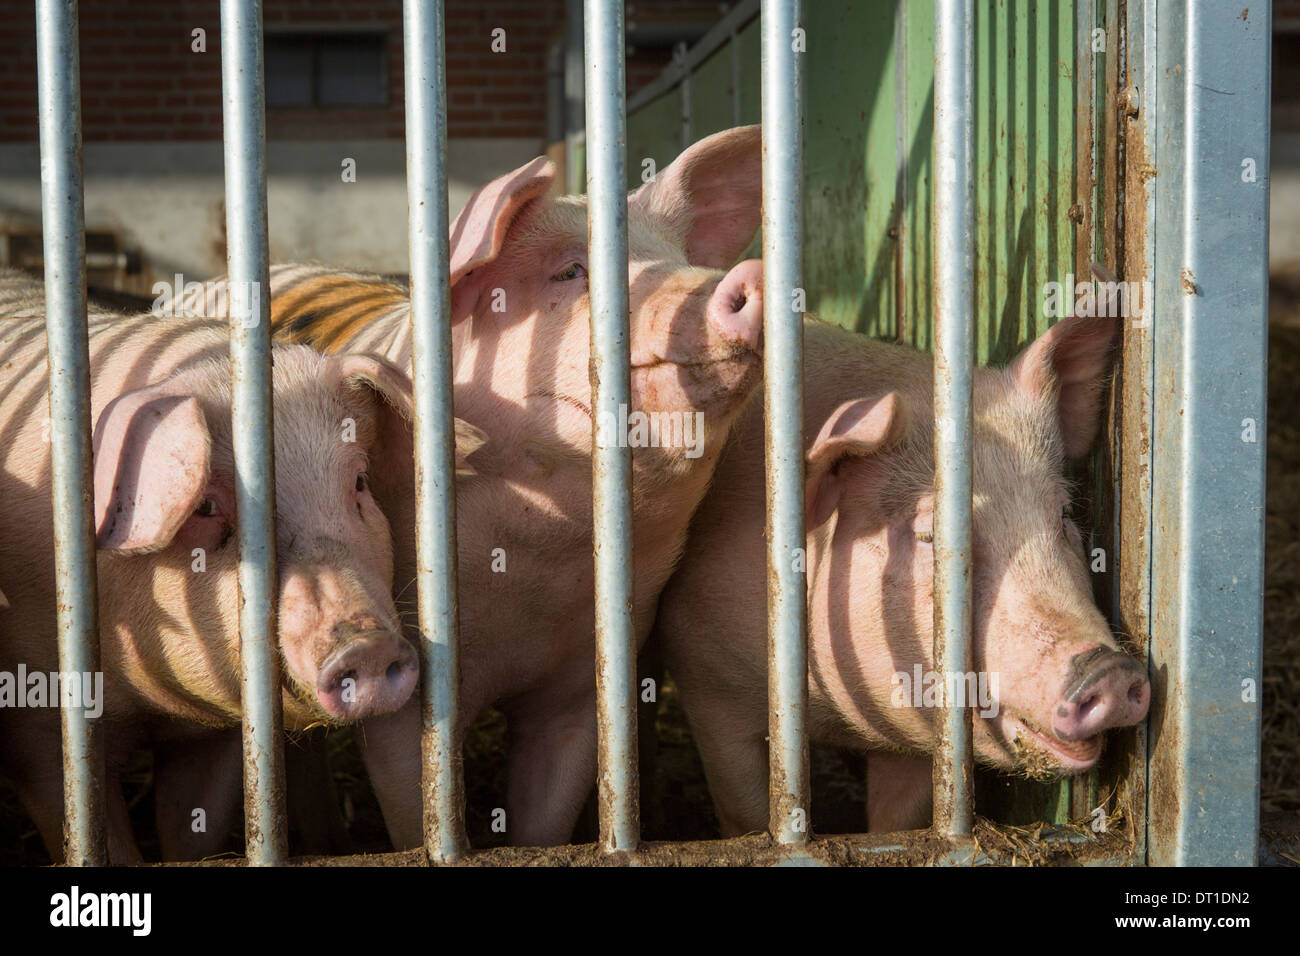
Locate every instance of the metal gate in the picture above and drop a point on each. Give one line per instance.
(1174, 113)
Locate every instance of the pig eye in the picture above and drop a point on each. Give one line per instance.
(207, 508)
(927, 537)
(362, 483)
(574, 271)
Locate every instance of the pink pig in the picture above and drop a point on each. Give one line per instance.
(1054, 679)
(521, 344)
(164, 515)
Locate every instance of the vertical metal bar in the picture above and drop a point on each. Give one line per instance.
(611, 391)
(902, 148)
(684, 91)
(1210, 324)
(733, 48)
(1134, 523)
(954, 360)
(243, 116)
(574, 97)
(787, 612)
(63, 226)
(435, 437)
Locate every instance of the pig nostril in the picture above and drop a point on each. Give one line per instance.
(348, 676)
(1088, 706)
(1136, 692)
(394, 671)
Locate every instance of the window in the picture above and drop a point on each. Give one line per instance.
(326, 69)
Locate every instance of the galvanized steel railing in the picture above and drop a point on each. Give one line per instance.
(435, 469)
(63, 223)
(787, 592)
(245, 151)
(954, 363)
(244, 121)
(245, 156)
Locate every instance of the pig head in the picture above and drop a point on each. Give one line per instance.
(521, 340)
(1052, 675)
(1049, 675)
(165, 516)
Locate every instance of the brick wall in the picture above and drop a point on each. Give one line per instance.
(141, 81)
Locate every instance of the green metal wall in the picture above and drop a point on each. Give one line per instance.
(868, 86)
(869, 103)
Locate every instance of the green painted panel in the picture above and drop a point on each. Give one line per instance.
(869, 103)
(867, 159)
(654, 132)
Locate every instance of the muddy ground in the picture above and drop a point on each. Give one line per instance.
(677, 805)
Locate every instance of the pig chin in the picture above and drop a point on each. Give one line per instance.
(716, 386)
(1014, 742)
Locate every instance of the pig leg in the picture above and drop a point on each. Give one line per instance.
(390, 747)
(122, 849)
(204, 773)
(732, 742)
(551, 767)
(42, 796)
(735, 765)
(32, 761)
(899, 792)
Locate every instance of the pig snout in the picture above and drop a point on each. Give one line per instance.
(373, 672)
(735, 310)
(1107, 688)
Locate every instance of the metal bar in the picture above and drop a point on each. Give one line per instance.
(1210, 322)
(611, 391)
(684, 90)
(243, 116)
(1134, 517)
(718, 34)
(72, 493)
(954, 361)
(733, 48)
(787, 612)
(574, 97)
(435, 469)
(902, 149)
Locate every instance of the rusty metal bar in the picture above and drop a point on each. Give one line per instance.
(954, 361)
(611, 392)
(244, 121)
(787, 611)
(63, 227)
(435, 488)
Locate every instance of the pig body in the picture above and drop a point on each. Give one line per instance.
(521, 344)
(165, 520)
(1052, 677)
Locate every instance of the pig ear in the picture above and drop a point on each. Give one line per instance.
(392, 461)
(1070, 362)
(713, 195)
(856, 429)
(151, 468)
(480, 230)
